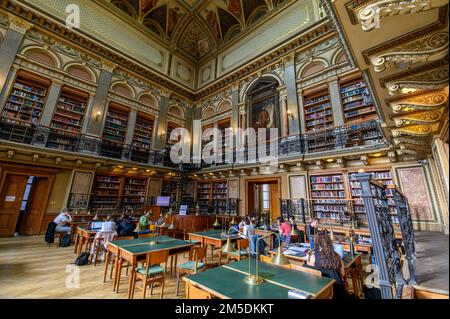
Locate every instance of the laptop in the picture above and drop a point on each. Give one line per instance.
(96, 225)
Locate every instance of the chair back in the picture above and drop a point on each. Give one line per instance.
(155, 258)
(242, 244)
(199, 255)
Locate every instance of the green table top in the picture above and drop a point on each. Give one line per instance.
(283, 276)
(138, 241)
(144, 248)
(216, 234)
(227, 283)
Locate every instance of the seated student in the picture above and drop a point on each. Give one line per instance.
(125, 227)
(109, 224)
(296, 230)
(63, 221)
(329, 263)
(311, 230)
(144, 223)
(242, 223)
(249, 229)
(160, 220)
(285, 230)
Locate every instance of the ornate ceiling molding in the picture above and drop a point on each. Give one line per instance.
(371, 15)
(429, 101)
(439, 25)
(432, 76)
(420, 117)
(413, 130)
(430, 48)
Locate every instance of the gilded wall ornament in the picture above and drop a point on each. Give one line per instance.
(421, 102)
(413, 130)
(421, 117)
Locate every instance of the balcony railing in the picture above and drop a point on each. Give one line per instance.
(334, 139)
(79, 143)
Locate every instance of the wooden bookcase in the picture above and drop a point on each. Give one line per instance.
(219, 196)
(142, 138)
(384, 177)
(113, 192)
(106, 193)
(26, 101)
(328, 198)
(356, 101)
(318, 110)
(134, 194)
(204, 196)
(68, 119)
(114, 132)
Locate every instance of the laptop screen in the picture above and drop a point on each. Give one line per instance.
(96, 225)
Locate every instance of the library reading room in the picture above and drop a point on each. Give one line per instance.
(224, 149)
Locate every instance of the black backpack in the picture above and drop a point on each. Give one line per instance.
(82, 260)
(65, 241)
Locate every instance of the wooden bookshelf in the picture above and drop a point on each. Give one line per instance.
(106, 193)
(204, 190)
(134, 194)
(67, 119)
(25, 101)
(142, 138)
(328, 199)
(318, 110)
(384, 177)
(114, 132)
(357, 102)
(219, 196)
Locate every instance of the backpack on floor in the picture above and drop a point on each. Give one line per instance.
(65, 241)
(82, 260)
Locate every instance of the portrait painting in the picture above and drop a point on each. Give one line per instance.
(263, 114)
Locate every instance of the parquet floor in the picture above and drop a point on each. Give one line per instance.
(31, 269)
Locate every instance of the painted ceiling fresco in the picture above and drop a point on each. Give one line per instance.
(196, 26)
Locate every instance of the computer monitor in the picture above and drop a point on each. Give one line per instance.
(163, 201)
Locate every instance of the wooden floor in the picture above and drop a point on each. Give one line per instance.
(30, 269)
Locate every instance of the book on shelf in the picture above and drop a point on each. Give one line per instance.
(357, 101)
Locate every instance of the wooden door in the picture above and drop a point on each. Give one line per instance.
(10, 202)
(274, 201)
(32, 218)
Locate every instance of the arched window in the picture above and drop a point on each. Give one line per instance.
(149, 100)
(176, 111)
(80, 72)
(42, 56)
(314, 68)
(122, 89)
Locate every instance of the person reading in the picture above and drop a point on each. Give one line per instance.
(63, 221)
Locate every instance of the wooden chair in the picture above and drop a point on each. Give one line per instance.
(241, 252)
(151, 273)
(307, 270)
(193, 292)
(264, 258)
(196, 262)
(112, 259)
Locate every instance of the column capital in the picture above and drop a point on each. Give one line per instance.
(18, 24)
(108, 66)
(235, 87)
(333, 79)
(57, 82)
(165, 93)
(289, 60)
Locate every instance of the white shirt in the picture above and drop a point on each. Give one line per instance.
(61, 219)
(249, 230)
(109, 226)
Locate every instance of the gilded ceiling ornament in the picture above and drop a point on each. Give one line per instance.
(370, 16)
(422, 102)
(431, 48)
(428, 80)
(420, 117)
(4, 21)
(419, 129)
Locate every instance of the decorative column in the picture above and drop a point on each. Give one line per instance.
(8, 84)
(243, 114)
(301, 111)
(290, 78)
(160, 141)
(89, 108)
(440, 156)
(52, 100)
(336, 103)
(99, 108)
(283, 107)
(11, 45)
(235, 106)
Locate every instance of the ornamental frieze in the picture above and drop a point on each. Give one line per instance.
(412, 130)
(136, 82)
